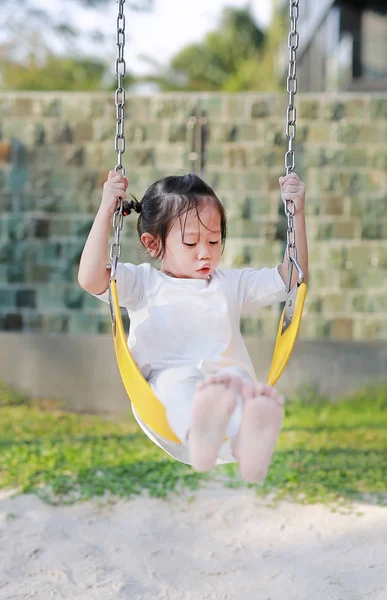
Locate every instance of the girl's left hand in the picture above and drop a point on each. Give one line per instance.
(292, 188)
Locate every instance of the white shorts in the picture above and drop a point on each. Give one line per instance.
(175, 388)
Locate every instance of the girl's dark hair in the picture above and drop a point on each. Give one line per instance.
(167, 200)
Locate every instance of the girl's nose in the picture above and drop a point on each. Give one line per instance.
(203, 252)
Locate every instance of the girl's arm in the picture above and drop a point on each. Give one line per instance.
(93, 276)
(293, 189)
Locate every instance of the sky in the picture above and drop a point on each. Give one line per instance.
(160, 33)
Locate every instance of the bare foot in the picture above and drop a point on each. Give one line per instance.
(213, 405)
(261, 425)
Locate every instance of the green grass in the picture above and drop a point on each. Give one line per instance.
(326, 453)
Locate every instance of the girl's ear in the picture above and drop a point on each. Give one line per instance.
(150, 244)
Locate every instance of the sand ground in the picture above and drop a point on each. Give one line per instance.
(221, 544)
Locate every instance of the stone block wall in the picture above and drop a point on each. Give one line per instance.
(56, 150)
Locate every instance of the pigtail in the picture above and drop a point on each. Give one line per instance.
(130, 205)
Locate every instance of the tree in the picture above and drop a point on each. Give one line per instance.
(18, 15)
(29, 62)
(56, 73)
(237, 56)
(262, 72)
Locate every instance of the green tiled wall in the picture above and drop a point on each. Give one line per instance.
(56, 150)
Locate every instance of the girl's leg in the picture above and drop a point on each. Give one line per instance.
(213, 405)
(175, 388)
(262, 418)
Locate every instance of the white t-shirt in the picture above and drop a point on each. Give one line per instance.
(190, 322)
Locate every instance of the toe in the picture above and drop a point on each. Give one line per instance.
(235, 384)
(210, 380)
(263, 389)
(248, 391)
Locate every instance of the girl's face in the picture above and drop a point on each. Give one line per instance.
(193, 246)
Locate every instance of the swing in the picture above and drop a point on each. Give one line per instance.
(145, 403)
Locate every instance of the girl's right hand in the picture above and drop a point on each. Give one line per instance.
(114, 188)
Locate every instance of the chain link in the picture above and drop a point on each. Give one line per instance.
(291, 87)
(119, 142)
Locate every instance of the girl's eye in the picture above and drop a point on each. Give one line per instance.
(192, 245)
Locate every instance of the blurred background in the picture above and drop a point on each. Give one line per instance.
(206, 92)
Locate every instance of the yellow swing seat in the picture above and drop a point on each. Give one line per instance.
(145, 402)
(286, 339)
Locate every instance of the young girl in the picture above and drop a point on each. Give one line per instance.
(185, 319)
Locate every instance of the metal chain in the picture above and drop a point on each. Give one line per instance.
(291, 87)
(119, 144)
